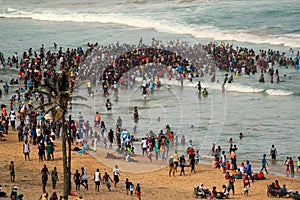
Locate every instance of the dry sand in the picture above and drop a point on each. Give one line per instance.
(153, 177)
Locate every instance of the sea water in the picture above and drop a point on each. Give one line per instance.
(266, 113)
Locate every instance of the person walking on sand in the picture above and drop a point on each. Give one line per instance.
(26, 150)
(116, 175)
(171, 166)
(264, 163)
(182, 165)
(45, 173)
(106, 179)
(54, 177)
(127, 185)
(84, 178)
(138, 191)
(192, 163)
(12, 171)
(76, 178)
(97, 179)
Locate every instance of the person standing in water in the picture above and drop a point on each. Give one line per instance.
(135, 113)
(273, 152)
(199, 86)
(108, 105)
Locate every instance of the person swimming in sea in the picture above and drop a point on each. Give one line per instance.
(205, 93)
(241, 135)
(261, 78)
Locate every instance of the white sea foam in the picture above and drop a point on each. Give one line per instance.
(242, 88)
(160, 24)
(273, 92)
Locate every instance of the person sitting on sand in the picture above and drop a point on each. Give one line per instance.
(206, 191)
(283, 191)
(238, 174)
(242, 168)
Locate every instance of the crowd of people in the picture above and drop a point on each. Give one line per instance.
(116, 66)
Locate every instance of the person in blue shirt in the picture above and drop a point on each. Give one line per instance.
(6, 88)
(264, 164)
(249, 170)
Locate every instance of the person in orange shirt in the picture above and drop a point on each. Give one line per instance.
(97, 119)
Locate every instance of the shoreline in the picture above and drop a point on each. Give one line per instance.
(274, 168)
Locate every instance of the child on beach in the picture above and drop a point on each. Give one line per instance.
(182, 165)
(197, 157)
(12, 171)
(246, 183)
(138, 191)
(127, 185)
(287, 165)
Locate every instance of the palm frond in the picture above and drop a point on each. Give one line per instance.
(52, 104)
(78, 97)
(58, 114)
(46, 93)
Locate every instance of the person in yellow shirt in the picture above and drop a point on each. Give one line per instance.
(175, 160)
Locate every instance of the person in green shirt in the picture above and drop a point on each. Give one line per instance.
(48, 150)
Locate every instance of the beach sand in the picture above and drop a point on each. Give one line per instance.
(153, 177)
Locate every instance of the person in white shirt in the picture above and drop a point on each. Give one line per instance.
(84, 179)
(13, 120)
(97, 179)
(26, 149)
(116, 175)
(144, 145)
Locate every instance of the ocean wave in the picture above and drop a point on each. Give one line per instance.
(161, 24)
(273, 92)
(242, 88)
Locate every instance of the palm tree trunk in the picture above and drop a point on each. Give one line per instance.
(64, 150)
(69, 156)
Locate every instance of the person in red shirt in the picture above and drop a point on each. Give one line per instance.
(190, 152)
(292, 168)
(246, 182)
